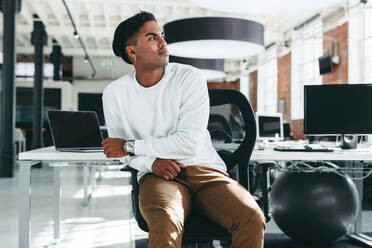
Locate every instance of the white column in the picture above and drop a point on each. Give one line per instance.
(356, 47)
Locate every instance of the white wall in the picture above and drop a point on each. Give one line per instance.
(103, 67)
(88, 86)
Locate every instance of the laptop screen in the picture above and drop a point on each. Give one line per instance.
(75, 129)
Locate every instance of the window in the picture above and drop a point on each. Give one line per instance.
(267, 81)
(24, 105)
(307, 47)
(360, 44)
(25, 69)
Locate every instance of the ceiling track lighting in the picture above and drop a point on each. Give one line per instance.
(307, 22)
(77, 36)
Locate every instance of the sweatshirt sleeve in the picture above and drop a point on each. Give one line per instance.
(111, 113)
(192, 124)
(113, 124)
(140, 163)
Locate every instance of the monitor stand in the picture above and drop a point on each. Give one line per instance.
(349, 141)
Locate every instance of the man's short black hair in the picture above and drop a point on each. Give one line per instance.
(126, 30)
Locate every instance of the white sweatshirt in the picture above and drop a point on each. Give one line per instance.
(167, 120)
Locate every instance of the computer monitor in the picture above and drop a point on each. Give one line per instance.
(344, 109)
(92, 102)
(269, 125)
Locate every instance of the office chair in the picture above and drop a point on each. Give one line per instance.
(199, 229)
(219, 128)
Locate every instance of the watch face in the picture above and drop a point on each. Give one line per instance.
(129, 146)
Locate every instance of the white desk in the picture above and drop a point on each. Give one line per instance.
(55, 159)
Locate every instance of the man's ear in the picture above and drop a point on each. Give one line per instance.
(130, 51)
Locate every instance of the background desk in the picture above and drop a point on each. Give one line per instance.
(352, 158)
(269, 154)
(56, 159)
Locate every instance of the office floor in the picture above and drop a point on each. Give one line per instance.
(106, 222)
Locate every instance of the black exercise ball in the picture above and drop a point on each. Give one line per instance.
(314, 207)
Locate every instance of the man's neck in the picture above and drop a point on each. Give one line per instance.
(148, 78)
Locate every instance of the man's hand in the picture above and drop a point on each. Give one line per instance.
(113, 147)
(166, 168)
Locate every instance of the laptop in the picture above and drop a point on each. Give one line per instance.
(75, 131)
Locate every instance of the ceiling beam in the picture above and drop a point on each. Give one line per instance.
(27, 16)
(69, 51)
(38, 7)
(68, 30)
(141, 2)
(55, 8)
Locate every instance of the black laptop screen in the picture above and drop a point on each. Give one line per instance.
(75, 129)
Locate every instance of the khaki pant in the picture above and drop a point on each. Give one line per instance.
(166, 204)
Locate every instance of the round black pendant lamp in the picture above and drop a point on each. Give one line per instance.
(213, 69)
(214, 37)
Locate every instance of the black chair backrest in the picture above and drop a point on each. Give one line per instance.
(243, 153)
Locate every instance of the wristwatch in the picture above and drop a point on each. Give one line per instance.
(129, 147)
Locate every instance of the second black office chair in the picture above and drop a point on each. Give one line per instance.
(219, 128)
(199, 229)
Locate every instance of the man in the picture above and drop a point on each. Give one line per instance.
(157, 120)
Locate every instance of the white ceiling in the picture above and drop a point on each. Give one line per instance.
(96, 21)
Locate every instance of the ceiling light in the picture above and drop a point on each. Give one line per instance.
(76, 35)
(265, 6)
(212, 69)
(214, 37)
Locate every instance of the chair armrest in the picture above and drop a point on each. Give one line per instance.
(133, 173)
(129, 169)
(134, 194)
